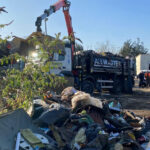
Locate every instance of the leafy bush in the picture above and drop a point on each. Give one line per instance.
(18, 88)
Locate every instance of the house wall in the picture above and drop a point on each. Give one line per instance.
(138, 64)
(142, 62)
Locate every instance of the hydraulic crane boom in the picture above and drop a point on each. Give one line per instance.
(65, 4)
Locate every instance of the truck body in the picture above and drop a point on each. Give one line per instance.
(94, 71)
(107, 71)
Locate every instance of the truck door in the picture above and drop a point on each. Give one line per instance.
(62, 62)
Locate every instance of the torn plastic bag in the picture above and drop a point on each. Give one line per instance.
(80, 136)
(148, 134)
(80, 139)
(146, 146)
(39, 106)
(39, 103)
(82, 99)
(51, 97)
(133, 120)
(82, 118)
(130, 115)
(113, 135)
(118, 122)
(115, 106)
(118, 146)
(67, 93)
(146, 127)
(100, 142)
(127, 140)
(56, 114)
(57, 136)
(66, 134)
(92, 131)
(85, 118)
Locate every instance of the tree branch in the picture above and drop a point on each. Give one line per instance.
(2, 9)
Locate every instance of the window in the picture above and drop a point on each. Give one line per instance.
(61, 57)
(149, 67)
(57, 57)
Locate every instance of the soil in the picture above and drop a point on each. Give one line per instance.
(138, 102)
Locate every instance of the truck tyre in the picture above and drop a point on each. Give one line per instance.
(87, 86)
(117, 87)
(128, 86)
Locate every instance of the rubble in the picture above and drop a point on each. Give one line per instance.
(77, 121)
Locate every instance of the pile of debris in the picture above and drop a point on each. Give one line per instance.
(75, 121)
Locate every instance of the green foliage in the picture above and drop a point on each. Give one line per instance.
(18, 88)
(132, 49)
(48, 45)
(2, 25)
(106, 47)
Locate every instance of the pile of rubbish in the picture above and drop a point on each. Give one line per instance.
(74, 121)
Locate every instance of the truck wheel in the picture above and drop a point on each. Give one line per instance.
(88, 87)
(130, 85)
(117, 89)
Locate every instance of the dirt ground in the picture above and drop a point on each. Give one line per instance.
(138, 102)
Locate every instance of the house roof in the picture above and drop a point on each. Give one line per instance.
(22, 46)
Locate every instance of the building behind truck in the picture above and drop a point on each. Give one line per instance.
(142, 63)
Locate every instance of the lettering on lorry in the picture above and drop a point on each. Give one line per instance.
(103, 62)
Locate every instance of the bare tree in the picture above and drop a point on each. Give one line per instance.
(106, 47)
(2, 9)
(79, 47)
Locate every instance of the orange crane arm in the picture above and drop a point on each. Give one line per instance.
(65, 4)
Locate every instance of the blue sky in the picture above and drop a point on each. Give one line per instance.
(94, 21)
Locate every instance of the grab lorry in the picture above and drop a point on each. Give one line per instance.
(91, 71)
(103, 71)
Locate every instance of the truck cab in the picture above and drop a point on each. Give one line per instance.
(62, 62)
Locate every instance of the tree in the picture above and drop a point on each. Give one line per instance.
(2, 9)
(78, 47)
(106, 47)
(18, 88)
(132, 49)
